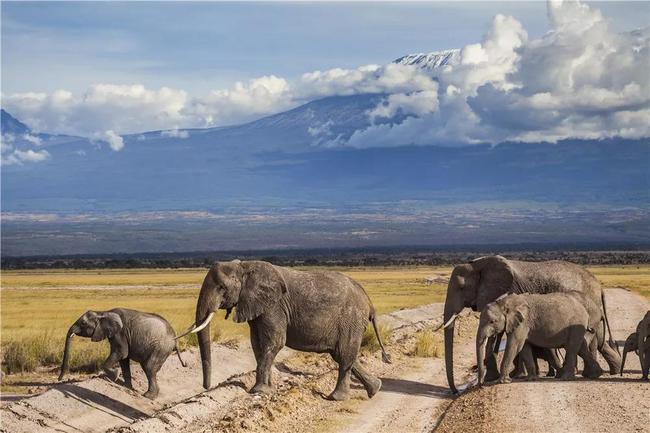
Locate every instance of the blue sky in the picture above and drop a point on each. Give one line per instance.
(202, 46)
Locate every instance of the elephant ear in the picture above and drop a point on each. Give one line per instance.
(495, 278)
(631, 343)
(262, 288)
(109, 325)
(515, 317)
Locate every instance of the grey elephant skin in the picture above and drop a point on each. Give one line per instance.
(133, 335)
(553, 320)
(639, 342)
(311, 311)
(481, 281)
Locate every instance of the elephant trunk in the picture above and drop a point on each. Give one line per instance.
(641, 346)
(74, 329)
(625, 350)
(206, 304)
(453, 305)
(480, 358)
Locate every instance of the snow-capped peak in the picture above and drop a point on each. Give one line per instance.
(432, 60)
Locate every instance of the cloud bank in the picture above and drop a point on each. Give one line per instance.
(579, 80)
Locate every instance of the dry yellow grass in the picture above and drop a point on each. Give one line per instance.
(633, 277)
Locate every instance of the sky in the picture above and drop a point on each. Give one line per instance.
(526, 71)
(199, 47)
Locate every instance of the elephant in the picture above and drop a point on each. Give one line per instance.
(483, 280)
(551, 320)
(311, 311)
(133, 335)
(639, 342)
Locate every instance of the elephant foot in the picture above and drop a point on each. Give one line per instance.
(339, 395)
(567, 376)
(592, 373)
(531, 377)
(261, 388)
(151, 394)
(111, 375)
(372, 387)
(505, 380)
(491, 376)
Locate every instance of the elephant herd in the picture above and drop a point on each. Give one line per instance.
(540, 307)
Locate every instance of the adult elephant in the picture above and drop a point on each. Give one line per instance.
(311, 311)
(483, 280)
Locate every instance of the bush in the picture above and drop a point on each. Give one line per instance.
(369, 340)
(428, 345)
(41, 350)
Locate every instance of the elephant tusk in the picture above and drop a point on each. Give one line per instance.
(450, 321)
(204, 324)
(71, 335)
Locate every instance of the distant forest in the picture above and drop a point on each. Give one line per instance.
(401, 256)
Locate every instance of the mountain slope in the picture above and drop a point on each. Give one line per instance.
(11, 125)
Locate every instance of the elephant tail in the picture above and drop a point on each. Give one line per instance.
(384, 355)
(178, 353)
(611, 341)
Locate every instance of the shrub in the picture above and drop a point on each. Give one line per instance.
(29, 353)
(428, 345)
(369, 340)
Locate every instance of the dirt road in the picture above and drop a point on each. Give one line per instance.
(414, 396)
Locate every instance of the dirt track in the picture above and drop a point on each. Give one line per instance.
(414, 396)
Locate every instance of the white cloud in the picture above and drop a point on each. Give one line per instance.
(33, 139)
(114, 141)
(22, 156)
(174, 133)
(579, 80)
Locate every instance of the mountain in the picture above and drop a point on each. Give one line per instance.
(293, 159)
(431, 61)
(11, 125)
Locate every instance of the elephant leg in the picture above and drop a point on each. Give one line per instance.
(592, 370)
(255, 344)
(125, 364)
(513, 347)
(151, 368)
(519, 369)
(529, 361)
(645, 369)
(342, 390)
(110, 364)
(370, 383)
(554, 363)
(492, 370)
(611, 356)
(575, 340)
(271, 338)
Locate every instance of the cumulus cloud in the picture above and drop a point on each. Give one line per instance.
(114, 141)
(579, 80)
(174, 133)
(12, 156)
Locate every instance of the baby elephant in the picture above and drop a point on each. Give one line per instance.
(143, 337)
(551, 320)
(639, 342)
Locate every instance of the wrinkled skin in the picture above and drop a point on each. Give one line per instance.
(554, 320)
(481, 281)
(133, 335)
(315, 311)
(639, 343)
